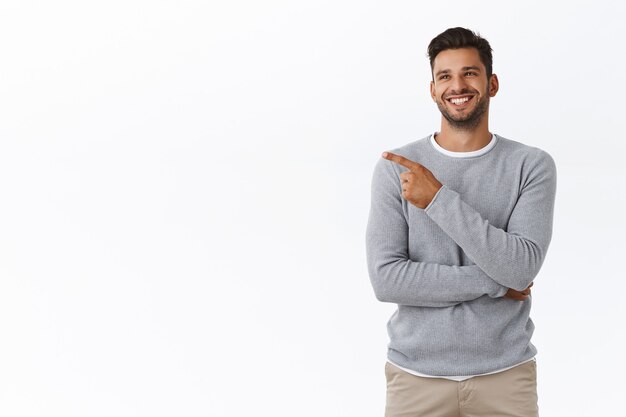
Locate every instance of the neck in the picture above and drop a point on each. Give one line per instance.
(456, 140)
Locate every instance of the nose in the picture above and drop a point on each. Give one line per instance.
(459, 86)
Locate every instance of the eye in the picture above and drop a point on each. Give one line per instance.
(471, 72)
(443, 76)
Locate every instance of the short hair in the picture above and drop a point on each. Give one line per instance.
(455, 38)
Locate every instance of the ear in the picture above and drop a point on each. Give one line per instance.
(494, 85)
(432, 90)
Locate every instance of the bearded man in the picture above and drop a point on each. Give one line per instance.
(459, 226)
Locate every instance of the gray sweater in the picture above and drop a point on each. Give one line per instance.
(448, 266)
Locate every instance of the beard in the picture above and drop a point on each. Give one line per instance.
(468, 121)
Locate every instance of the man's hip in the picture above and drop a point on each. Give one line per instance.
(508, 393)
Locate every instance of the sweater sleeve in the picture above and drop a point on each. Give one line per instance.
(398, 279)
(514, 256)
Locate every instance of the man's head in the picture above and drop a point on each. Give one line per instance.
(462, 78)
(455, 38)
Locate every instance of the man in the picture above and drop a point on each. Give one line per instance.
(459, 226)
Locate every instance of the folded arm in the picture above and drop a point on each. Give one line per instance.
(398, 279)
(512, 257)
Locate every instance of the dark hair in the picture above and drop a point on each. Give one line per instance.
(455, 38)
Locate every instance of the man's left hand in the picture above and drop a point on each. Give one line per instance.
(419, 185)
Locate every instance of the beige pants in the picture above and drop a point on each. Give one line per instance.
(510, 393)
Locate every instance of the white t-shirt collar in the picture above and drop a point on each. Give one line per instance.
(477, 152)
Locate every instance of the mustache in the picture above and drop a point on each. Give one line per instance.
(460, 93)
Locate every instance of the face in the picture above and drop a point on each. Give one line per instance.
(460, 87)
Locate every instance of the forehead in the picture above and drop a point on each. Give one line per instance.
(456, 59)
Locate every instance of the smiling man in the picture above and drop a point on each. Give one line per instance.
(459, 226)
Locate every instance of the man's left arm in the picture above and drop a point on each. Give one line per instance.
(513, 257)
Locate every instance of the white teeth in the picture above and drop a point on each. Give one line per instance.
(459, 100)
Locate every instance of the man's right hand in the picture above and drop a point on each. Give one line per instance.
(518, 295)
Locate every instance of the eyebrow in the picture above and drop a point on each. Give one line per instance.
(445, 71)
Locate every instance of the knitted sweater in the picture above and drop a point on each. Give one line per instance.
(448, 266)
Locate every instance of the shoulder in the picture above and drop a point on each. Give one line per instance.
(413, 150)
(528, 155)
(536, 164)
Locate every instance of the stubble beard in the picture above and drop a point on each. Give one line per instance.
(471, 120)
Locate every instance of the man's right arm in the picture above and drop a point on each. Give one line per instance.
(398, 279)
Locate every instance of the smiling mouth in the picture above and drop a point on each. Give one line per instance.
(460, 101)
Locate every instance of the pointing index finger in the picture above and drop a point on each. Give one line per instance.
(399, 159)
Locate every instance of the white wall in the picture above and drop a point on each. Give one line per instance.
(184, 189)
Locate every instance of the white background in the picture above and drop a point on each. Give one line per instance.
(184, 190)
